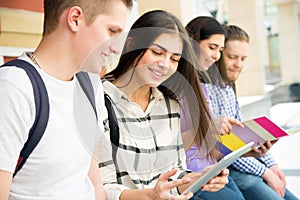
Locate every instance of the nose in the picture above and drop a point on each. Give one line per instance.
(239, 63)
(164, 62)
(216, 56)
(114, 48)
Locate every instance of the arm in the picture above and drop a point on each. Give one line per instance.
(276, 170)
(16, 117)
(160, 191)
(267, 159)
(94, 175)
(5, 180)
(249, 165)
(274, 181)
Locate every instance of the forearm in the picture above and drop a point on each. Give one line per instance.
(5, 182)
(95, 177)
(99, 192)
(136, 194)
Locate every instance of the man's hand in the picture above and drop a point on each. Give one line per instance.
(261, 150)
(276, 170)
(274, 182)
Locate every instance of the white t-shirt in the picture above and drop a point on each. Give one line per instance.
(58, 166)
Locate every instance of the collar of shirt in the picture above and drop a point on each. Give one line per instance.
(116, 94)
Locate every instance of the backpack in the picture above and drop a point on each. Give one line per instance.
(42, 109)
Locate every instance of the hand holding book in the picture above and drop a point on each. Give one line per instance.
(259, 130)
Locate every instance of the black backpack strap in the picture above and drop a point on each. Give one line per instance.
(86, 85)
(113, 127)
(42, 110)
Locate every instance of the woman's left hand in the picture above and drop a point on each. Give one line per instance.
(217, 183)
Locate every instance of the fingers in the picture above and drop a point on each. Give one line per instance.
(217, 182)
(167, 175)
(233, 121)
(175, 183)
(163, 183)
(225, 172)
(181, 197)
(262, 147)
(226, 124)
(269, 143)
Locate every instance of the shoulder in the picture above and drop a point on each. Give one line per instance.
(113, 92)
(16, 77)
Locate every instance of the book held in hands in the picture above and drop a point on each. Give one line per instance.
(257, 130)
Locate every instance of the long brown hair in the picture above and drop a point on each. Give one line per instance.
(184, 85)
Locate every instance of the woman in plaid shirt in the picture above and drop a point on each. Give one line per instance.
(154, 74)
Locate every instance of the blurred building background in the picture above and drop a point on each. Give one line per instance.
(273, 25)
(270, 82)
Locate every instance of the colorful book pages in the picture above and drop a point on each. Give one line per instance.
(256, 130)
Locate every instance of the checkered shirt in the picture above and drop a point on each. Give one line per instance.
(150, 143)
(223, 102)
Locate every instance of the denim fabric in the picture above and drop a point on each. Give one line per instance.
(254, 188)
(229, 192)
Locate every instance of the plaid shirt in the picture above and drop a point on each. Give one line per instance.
(223, 102)
(150, 143)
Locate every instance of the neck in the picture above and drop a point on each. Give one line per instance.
(56, 59)
(136, 93)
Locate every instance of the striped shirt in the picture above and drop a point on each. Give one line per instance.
(223, 102)
(150, 143)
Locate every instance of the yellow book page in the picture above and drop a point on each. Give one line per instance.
(231, 141)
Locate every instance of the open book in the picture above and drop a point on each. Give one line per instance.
(257, 130)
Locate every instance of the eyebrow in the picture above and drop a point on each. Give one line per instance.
(216, 45)
(166, 50)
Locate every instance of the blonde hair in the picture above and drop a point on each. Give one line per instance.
(53, 9)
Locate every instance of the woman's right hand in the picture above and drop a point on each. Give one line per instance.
(224, 124)
(163, 187)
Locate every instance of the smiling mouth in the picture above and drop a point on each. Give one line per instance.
(104, 55)
(156, 73)
(234, 71)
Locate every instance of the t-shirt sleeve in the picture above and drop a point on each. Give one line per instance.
(17, 113)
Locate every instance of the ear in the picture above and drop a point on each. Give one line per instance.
(129, 43)
(75, 15)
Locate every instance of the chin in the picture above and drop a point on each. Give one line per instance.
(154, 85)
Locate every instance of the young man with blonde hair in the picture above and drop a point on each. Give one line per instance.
(59, 167)
(257, 178)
